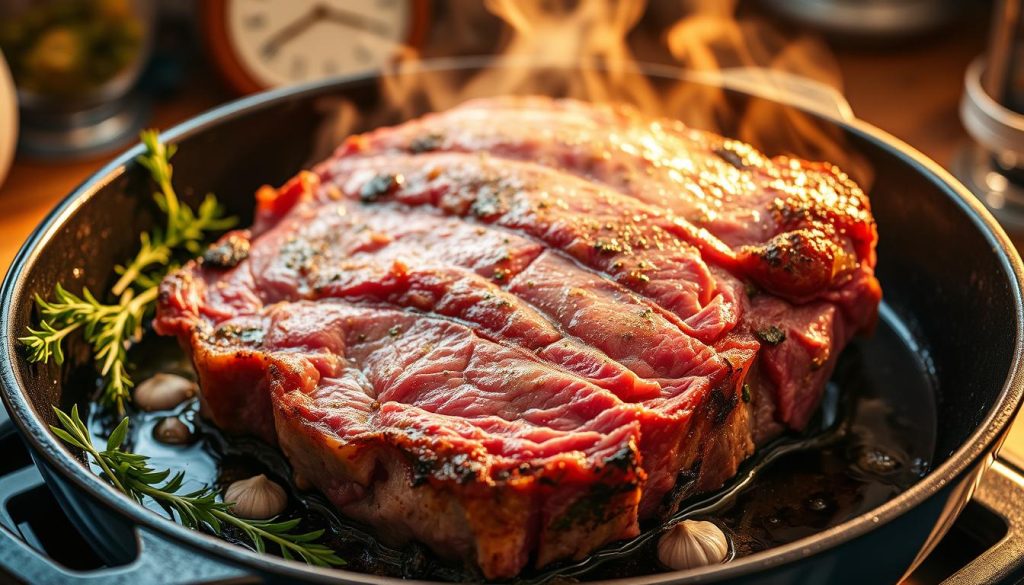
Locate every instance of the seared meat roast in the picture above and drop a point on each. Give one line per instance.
(514, 330)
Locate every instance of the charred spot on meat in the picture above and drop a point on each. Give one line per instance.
(380, 186)
(227, 253)
(426, 142)
(771, 335)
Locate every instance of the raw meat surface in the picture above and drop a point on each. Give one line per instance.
(514, 330)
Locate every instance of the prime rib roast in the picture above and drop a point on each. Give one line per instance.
(515, 330)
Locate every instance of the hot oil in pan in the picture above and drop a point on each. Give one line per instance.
(881, 443)
(874, 438)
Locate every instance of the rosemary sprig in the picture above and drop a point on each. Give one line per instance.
(109, 328)
(131, 474)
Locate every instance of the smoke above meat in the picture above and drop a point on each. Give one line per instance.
(583, 49)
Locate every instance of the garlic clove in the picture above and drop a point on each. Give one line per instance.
(691, 544)
(171, 431)
(256, 498)
(163, 392)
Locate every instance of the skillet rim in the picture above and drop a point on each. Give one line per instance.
(983, 442)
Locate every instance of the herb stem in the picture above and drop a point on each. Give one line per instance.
(60, 334)
(173, 208)
(106, 470)
(159, 495)
(80, 434)
(247, 526)
(147, 257)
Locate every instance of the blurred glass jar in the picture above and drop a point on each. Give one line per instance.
(74, 62)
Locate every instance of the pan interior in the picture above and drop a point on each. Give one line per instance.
(868, 445)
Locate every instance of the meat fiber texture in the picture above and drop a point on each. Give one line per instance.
(514, 330)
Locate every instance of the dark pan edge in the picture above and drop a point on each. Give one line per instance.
(986, 437)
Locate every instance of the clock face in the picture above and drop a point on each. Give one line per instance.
(289, 41)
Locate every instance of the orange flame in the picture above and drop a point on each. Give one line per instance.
(712, 40)
(581, 50)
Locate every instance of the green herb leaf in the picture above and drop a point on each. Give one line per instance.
(184, 230)
(117, 436)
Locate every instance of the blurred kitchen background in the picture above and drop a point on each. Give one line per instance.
(88, 74)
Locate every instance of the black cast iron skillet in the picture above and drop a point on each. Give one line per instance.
(952, 281)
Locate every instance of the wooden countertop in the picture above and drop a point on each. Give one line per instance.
(34, 187)
(911, 91)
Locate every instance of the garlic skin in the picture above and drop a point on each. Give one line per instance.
(163, 392)
(172, 431)
(256, 498)
(691, 544)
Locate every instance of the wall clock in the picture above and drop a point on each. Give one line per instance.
(259, 44)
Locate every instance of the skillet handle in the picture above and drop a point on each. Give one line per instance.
(1001, 490)
(158, 561)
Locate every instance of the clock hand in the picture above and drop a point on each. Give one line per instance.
(355, 20)
(292, 30)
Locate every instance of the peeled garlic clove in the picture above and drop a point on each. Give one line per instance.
(256, 498)
(163, 392)
(172, 431)
(691, 544)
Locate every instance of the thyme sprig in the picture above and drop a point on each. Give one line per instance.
(109, 328)
(183, 229)
(131, 474)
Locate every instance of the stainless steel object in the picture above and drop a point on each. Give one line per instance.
(992, 111)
